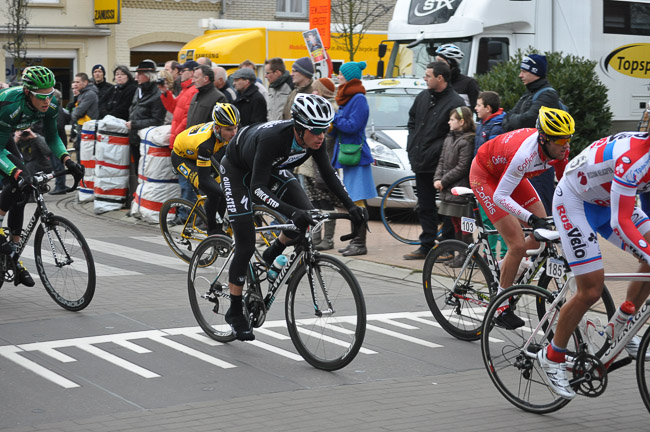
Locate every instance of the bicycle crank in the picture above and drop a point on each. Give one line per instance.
(589, 375)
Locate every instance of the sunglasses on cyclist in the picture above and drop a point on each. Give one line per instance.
(42, 96)
(560, 141)
(317, 131)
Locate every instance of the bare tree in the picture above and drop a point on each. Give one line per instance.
(353, 18)
(17, 14)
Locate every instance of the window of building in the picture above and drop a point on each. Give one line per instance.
(44, 2)
(291, 8)
(625, 17)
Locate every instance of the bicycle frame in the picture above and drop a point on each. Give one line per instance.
(618, 344)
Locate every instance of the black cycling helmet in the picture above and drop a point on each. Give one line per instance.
(38, 77)
(312, 111)
(225, 114)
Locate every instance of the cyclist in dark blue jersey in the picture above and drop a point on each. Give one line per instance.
(255, 168)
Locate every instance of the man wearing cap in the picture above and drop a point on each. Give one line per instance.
(180, 105)
(204, 100)
(103, 86)
(302, 73)
(146, 110)
(539, 93)
(280, 86)
(250, 102)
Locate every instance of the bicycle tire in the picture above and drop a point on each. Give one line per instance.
(399, 211)
(598, 341)
(516, 374)
(643, 369)
(71, 285)
(332, 341)
(183, 237)
(458, 307)
(264, 216)
(207, 286)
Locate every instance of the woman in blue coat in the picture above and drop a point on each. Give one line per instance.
(349, 127)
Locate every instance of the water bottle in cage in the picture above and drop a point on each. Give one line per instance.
(279, 262)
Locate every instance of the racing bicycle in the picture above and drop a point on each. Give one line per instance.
(510, 355)
(460, 280)
(184, 224)
(64, 261)
(325, 309)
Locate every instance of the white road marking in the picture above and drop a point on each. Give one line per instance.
(101, 270)
(126, 340)
(137, 254)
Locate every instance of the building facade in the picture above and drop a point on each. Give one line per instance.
(63, 36)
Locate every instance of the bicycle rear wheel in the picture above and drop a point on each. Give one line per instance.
(643, 369)
(327, 337)
(264, 216)
(457, 296)
(182, 228)
(511, 365)
(399, 211)
(64, 263)
(207, 286)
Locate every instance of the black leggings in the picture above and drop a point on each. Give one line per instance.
(235, 183)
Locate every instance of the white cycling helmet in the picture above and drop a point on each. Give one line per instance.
(312, 111)
(450, 51)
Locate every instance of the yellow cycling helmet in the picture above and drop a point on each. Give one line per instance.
(225, 114)
(555, 122)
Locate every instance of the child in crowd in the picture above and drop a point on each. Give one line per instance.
(453, 170)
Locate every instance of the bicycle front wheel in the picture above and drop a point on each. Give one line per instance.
(643, 369)
(182, 228)
(510, 355)
(327, 325)
(64, 263)
(207, 286)
(457, 288)
(399, 211)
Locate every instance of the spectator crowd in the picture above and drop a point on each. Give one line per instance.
(448, 123)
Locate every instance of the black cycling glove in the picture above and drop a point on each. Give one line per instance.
(77, 170)
(358, 215)
(302, 219)
(537, 222)
(21, 177)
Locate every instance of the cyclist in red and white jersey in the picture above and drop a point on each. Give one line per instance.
(499, 178)
(598, 195)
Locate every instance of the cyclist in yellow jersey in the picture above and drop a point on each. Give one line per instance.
(195, 150)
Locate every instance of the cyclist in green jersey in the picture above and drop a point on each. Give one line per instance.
(20, 108)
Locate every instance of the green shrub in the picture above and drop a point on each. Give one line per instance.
(575, 80)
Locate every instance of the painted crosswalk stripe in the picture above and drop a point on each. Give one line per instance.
(101, 270)
(137, 255)
(11, 353)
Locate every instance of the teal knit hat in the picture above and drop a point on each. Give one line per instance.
(352, 70)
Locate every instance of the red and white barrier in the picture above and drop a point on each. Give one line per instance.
(87, 159)
(156, 179)
(112, 157)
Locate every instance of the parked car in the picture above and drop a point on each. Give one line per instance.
(390, 101)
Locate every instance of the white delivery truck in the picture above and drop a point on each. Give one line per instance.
(616, 34)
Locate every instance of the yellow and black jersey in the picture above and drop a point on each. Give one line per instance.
(198, 140)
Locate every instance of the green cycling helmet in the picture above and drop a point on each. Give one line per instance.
(38, 77)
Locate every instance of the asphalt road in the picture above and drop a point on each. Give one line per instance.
(137, 353)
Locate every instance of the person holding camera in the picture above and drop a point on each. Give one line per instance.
(34, 150)
(179, 105)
